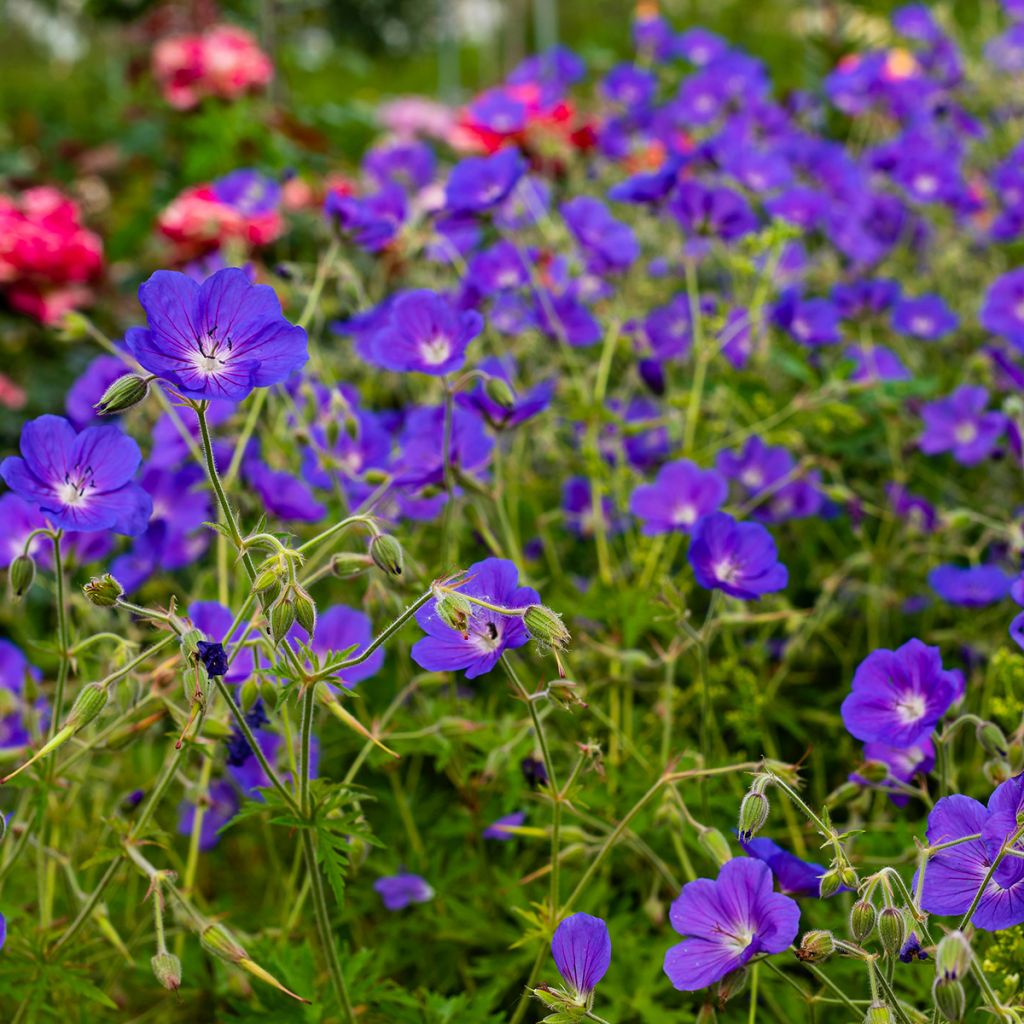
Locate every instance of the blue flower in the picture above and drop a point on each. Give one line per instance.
(582, 950)
(737, 558)
(480, 183)
(398, 891)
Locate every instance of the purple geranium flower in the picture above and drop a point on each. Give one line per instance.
(15, 670)
(398, 891)
(582, 950)
(479, 183)
(488, 635)
(608, 244)
(955, 875)
(972, 586)
(222, 806)
(681, 493)
(524, 405)
(219, 339)
(738, 558)
(902, 763)
(79, 481)
(1002, 311)
(426, 334)
(926, 317)
(794, 877)
(756, 466)
(718, 212)
(339, 628)
(83, 396)
(912, 507)
(727, 922)
(501, 828)
(960, 424)
(215, 621)
(248, 191)
(899, 696)
(371, 221)
(669, 328)
(874, 364)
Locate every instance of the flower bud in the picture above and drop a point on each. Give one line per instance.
(862, 920)
(992, 739)
(949, 998)
(546, 627)
(167, 968)
(305, 610)
(103, 591)
(216, 939)
(732, 984)
(816, 946)
(829, 884)
(874, 771)
(282, 617)
(123, 394)
(849, 877)
(22, 574)
(997, 771)
(453, 610)
(753, 814)
(387, 554)
(348, 564)
(499, 392)
(90, 702)
(715, 845)
(953, 956)
(892, 930)
(248, 694)
(878, 1013)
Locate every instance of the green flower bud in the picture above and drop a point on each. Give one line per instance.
(499, 392)
(348, 564)
(862, 920)
(305, 610)
(387, 554)
(123, 394)
(189, 643)
(706, 1015)
(949, 997)
(816, 946)
(997, 771)
(249, 694)
(878, 1013)
(753, 814)
(88, 704)
(831, 882)
(992, 739)
(874, 771)
(715, 845)
(282, 617)
(546, 627)
(953, 956)
(103, 591)
(167, 968)
(849, 877)
(892, 930)
(732, 984)
(216, 939)
(22, 574)
(270, 694)
(453, 610)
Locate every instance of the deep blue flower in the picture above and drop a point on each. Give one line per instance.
(738, 558)
(874, 364)
(793, 876)
(681, 493)
(608, 244)
(480, 183)
(213, 656)
(926, 317)
(371, 221)
(582, 950)
(248, 191)
(525, 405)
(15, 672)
(215, 621)
(970, 586)
(222, 805)
(339, 628)
(219, 339)
(959, 424)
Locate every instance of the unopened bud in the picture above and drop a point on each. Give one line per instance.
(953, 956)
(546, 627)
(499, 392)
(732, 984)
(892, 930)
(830, 883)
(103, 591)
(348, 564)
(849, 877)
(992, 739)
(387, 554)
(22, 574)
(282, 617)
(89, 703)
(123, 394)
(874, 771)
(715, 845)
(221, 943)
(167, 968)
(453, 610)
(997, 771)
(950, 998)
(753, 814)
(248, 694)
(816, 946)
(878, 1013)
(305, 610)
(862, 920)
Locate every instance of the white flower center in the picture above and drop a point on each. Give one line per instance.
(684, 515)
(965, 433)
(752, 477)
(726, 570)
(911, 707)
(437, 350)
(920, 325)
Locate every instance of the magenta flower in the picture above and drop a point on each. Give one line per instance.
(219, 339)
(582, 950)
(727, 922)
(738, 558)
(79, 481)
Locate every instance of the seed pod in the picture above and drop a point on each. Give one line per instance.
(816, 946)
(498, 391)
(848, 877)
(753, 814)
(862, 920)
(387, 554)
(874, 771)
(103, 591)
(89, 703)
(878, 1013)
(221, 943)
(949, 998)
(22, 574)
(992, 739)
(167, 968)
(715, 845)
(546, 627)
(732, 984)
(953, 956)
(123, 394)
(892, 930)
(997, 771)
(453, 610)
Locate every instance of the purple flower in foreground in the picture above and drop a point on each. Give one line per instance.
(215, 621)
(959, 424)
(582, 950)
(502, 829)
(219, 339)
(398, 891)
(901, 763)
(899, 696)
(794, 877)
(681, 493)
(488, 634)
(926, 317)
(479, 183)
(955, 875)
(339, 628)
(738, 558)
(972, 587)
(79, 481)
(426, 334)
(727, 922)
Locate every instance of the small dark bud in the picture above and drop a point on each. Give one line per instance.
(892, 930)
(715, 845)
(167, 968)
(534, 771)
(816, 946)
(22, 574)
(499, 392)
(911, 950)
(953, 956)
(862, 920)
(546, 627)
(753, 814)
(387, 554)
(213, 656)
(123, 394)
(103, 591)
(992, 739)
(950, 998)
